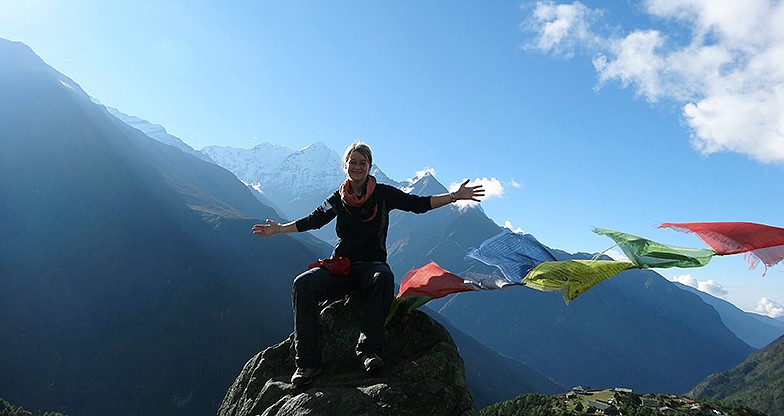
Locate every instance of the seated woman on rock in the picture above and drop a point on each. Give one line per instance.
(362, 208)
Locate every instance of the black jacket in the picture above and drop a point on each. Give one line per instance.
(358, 240)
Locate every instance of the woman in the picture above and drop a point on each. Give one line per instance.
(362, 208)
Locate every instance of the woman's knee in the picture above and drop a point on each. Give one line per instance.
(306, 282)
(318, 284)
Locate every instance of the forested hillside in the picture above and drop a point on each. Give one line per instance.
(611, 402)
(757, 382)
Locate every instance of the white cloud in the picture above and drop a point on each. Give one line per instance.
(769, 308)
(562, 27)
(492, 186)
(728, 74)
(710, 287)
(508, 224)
(421, 173)
(514, 184)
(616, 255)
(634, 61)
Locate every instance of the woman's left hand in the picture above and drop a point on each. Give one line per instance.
(469, 192)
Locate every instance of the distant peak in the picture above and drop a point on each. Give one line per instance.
(423, 183)
(267, 145)
(423, 174)
(316, 146)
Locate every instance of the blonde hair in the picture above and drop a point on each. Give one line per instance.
(361, 148)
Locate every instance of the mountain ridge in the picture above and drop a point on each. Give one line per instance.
(155, 131)
(118, 252)
(756, 330)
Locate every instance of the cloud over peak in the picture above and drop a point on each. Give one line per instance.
(710, 287)
(769, 308)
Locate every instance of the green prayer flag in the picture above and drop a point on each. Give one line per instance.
(406, 305)
(646, 253)
(574, 277)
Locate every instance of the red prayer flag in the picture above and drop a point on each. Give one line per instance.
(431, 280)
(763, 242)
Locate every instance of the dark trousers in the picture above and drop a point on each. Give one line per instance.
(373, 281)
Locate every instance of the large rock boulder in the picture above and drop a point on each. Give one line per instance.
(423, 373)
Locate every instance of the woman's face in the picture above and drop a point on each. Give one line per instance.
(357, 167)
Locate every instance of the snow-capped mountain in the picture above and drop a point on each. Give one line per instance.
(296, 181)
(312, 172)
(155, 131)
(252, 166)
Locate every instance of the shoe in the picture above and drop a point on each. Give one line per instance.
(303, 376)
(372, 362)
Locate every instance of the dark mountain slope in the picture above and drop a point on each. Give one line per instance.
(635, 330)
(757, 382)
(492, 377)
(131, 281)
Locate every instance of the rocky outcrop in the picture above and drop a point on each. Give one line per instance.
(423, 373)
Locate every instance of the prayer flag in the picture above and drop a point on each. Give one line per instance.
(573, 277)
(424, 284)
(515, 254)
(646, 253)
(761, 242)
(431, 280)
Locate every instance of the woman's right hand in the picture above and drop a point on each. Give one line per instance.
(266, 230)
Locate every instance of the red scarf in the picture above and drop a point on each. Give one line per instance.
(358, 207)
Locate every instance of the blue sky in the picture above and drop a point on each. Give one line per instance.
(620, 115)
